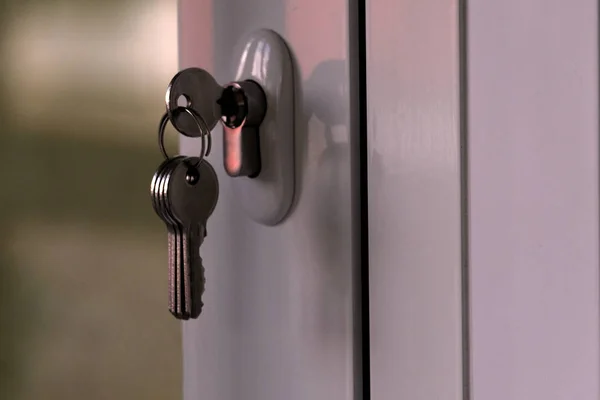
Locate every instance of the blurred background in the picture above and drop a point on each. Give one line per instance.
(83, 257)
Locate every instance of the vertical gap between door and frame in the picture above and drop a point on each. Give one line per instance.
(358, 98)
(358, 78)
(464, 193)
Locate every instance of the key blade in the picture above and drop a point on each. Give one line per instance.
(195, 272)
(155, 192)
(174, 274)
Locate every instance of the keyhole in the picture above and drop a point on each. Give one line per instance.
(184, 101)
(234, 107)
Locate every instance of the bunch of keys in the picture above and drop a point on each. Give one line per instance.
(184, 192)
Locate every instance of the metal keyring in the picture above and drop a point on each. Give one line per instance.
(202, 127)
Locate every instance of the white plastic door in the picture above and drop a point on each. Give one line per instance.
(280, 317)
(444, 240)
(415, 213)
(533, 199)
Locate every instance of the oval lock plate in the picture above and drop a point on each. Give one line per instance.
(264, 58)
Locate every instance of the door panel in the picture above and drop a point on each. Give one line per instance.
(414, 172)
(533, 193)
(282, 316)
(279, 303)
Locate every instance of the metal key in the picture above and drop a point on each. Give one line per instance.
(188, 207)
(176, 265)
(156, 190)
(194, 88)
(154, 193)
(192, 195)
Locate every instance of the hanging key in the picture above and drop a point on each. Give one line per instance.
(157, 189)
(191, 197)
(186, 275)
(175, 267)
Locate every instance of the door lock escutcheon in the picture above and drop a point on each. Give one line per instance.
(256, 111)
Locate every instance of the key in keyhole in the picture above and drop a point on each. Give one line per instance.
(198, 90)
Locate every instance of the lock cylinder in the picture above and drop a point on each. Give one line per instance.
(243, 108)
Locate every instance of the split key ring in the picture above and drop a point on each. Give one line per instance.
(205, 132)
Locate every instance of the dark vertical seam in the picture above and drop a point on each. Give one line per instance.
(464, 193)
(357, 29)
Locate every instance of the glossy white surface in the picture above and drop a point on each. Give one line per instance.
(278, 316)
(414, 199)
(264, 58)
(533, 149)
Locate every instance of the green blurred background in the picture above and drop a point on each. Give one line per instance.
(82, 255)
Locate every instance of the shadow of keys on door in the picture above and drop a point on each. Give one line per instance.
(83, 274)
